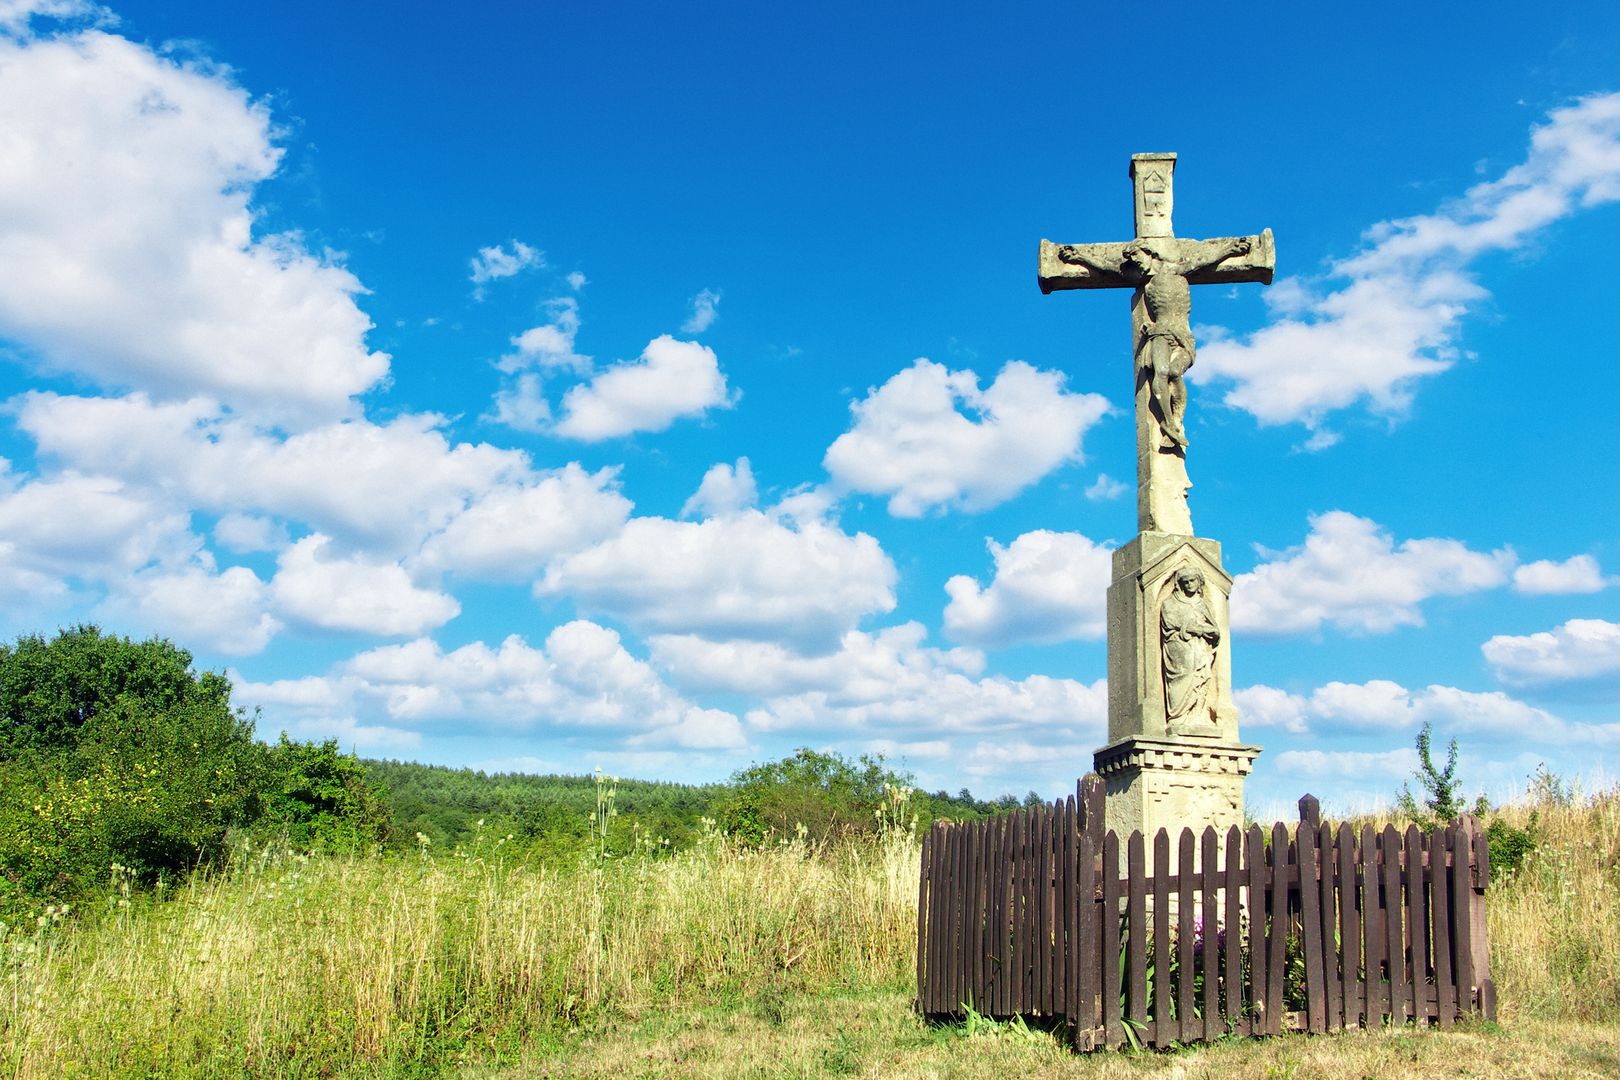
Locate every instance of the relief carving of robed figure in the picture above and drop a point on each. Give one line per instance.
(1190, 635)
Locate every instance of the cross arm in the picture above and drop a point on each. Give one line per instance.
(1209, 262)
(1085, 266)
(1202, 262)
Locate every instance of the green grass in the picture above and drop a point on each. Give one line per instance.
(721, 960)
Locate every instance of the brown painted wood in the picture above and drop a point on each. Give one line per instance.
(973, 918)
(1187, 1026)
(981, 901)
(986, 938)
(1417, 930)
(1372, 928)
(1232, 955)
(1277, 938)
(1055, 996)
(1044, 937)
(1310, 923)
(1040, 863)
(1461, 841)
(1087, 1007)
(1032, 833)
(1353, 999)
(1054, 918)
(1136, 929)
(1031, 983)
(1091, 796)
(1021, 918)
(1209, 957)
(1445, 976)
(958, 915)
(1164, 1030)
(1333, 984)
(954, 944)
(1256, 868)
(935, 918)
(1054, 907)
(1071, 854)
(922, 923)
(994, 948)
(1113, 1030)
(1066, 921)
(1310, 811)
(1394, 922)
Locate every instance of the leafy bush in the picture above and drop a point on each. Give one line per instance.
(321, 798)
(113, 752)
(825, 793)
(1511, 846)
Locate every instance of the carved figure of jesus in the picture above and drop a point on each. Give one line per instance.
(1166, 349)
(1190, 635)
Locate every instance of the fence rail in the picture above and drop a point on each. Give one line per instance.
(1040, 913)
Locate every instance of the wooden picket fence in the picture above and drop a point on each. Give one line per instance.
(1028, 914)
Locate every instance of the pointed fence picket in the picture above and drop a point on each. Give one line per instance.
(1315, 929)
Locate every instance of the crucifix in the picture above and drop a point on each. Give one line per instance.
(1159, 266)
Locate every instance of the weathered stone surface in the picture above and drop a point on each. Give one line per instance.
(1151, 784)
(1173, 757)
(1160, 268)
(1145, 572)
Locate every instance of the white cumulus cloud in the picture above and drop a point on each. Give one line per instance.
(1576, 574)
(888, 684)
(1048, 586)
(725, 489)
(1350, 574)
(502, 261)
(354, 593)
(512, 531)
(382, 485)
(1577, 650)
(131, 252)
(671, 380)
(581, 679)
(932, 439)
(225, 611)
(743, 575)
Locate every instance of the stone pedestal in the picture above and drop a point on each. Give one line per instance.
(1164, 770)
(1153, 784)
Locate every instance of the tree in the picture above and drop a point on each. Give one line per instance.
(827, 793)
(114, 751)
(1441, 801)
(49, 690)
(322, 797)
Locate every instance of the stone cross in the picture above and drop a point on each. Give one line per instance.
(1160, 267)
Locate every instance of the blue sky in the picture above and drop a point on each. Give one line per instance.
(665, 388)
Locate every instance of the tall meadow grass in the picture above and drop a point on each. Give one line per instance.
(284, 965)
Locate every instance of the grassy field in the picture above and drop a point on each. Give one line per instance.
(717, 961)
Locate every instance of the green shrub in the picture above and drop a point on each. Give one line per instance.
(321, 798)
(113, 752)
(1511, 846)
(826, 793)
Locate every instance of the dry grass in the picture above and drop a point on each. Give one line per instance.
(286, 964)
(719, 961)
(1555, 926)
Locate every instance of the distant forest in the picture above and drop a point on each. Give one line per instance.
(831, 796)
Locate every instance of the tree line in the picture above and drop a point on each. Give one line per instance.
(120, 761)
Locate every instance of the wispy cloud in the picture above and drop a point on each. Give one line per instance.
(705, 309)
(502, 261)
(1383, 320)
